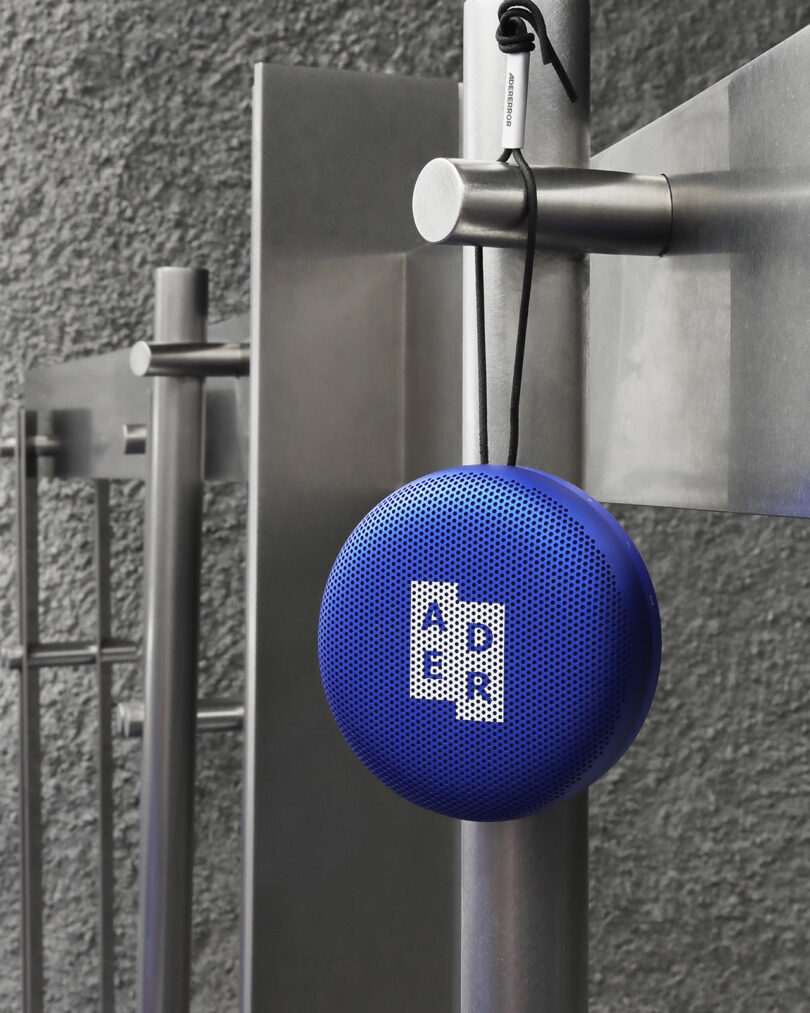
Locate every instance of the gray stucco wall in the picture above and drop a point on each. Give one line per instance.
(125, 145)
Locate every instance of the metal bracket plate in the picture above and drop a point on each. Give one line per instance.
(355, 387)
(698, 365)
(90, 400)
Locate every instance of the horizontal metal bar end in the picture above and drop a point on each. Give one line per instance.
(148, 358)
(465, 202)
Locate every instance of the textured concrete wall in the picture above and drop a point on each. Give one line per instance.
(126, 144)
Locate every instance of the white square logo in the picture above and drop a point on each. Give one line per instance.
(457, 651)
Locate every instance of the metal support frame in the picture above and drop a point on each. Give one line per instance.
(173, 534)
(72, 412)
(523, 885)
(524, 888)
(27, 657)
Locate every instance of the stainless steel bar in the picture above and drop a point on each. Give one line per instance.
(523, 884)
(212, 716)
(134, 436)
(579, 210)
(30, 784)
(106, 882)
(68, 653)
(523, 924)
(149, 359)
(171, 613)
(41, 445)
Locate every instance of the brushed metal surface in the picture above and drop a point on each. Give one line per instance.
(348, 890)
(698, 368)
(578, 210)
(524, 884)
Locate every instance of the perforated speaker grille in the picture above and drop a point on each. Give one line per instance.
(489, 641)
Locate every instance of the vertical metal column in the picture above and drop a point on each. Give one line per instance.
(524, 886)
(171, 627)
(30, 783)
(106, 927)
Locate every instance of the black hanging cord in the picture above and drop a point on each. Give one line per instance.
(483, 421)
(530, 187)
(483, 414)
(513, 37)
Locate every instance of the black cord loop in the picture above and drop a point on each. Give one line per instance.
(512, 36)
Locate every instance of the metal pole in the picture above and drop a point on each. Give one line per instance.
(30, 758)
(524, 889)
(171, 626)
(104, 670)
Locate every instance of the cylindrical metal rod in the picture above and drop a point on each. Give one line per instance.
(524, 888)
(40, 445)
(524, 909)
(134, 437)
(29, 717)
(171, 628)
(106, 843)
(578, 210)
(61, 655)
(150, 359)
(212, 716)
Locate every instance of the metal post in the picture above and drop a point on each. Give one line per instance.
(106, 887)
(171, 626)
(524, 891)
(30, 785)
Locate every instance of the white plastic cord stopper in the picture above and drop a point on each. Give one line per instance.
(515, 99)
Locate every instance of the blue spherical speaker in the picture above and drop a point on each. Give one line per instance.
(489, 641)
